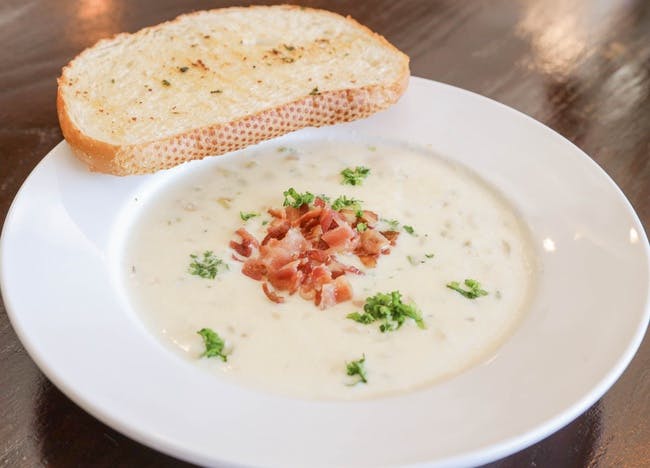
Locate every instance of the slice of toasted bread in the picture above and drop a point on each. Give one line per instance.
(215, 81)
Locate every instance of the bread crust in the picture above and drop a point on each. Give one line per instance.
(325, 108)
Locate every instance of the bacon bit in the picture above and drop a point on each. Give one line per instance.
(337, 267)
(327, 296)
(277, 230)
(326, 218)
(286, 278)
(292, 214)
(340, 238)
(244, 248)
(255, 269)
(307, 217)
(337, 291)
(370, 218)
(314, 234)
(319, 277)
(391, 236)
(342, 289)
(308, 293)
(369, 261)
(241, 249)
(320, 256)
(372, 242)
(271, 294)
(350, 216)
(298, 253)
(277, 213)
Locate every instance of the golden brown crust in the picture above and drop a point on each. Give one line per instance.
(98, 155)
(326, 108)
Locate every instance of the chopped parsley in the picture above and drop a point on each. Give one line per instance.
(295, 199)
(345, 202)
(357, 368)
(324, 197)
(354, 176)
(247, 216)
(208, 266)
(413, 261)
(390, 310)
(214, 344)
(166, 83)
(393, 224)
(409, 229)
(473, 292)
(216, 91)
(362, 227)
(289, 47)
(361, 318)
(183, 69)
(314, 92)
(429, 255)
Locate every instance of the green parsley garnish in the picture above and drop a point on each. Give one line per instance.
(357, 368)
(345, 202)
(208, 266)
(409, 229)
(324, 197)
(295, 199)
(413, 261)
(393, 224)
(429, 255)
(166, 83)
(213, 344)
(362, 227)
(473, 292)
(361, 318)
(314, 92)
(354, 176)
(247, 216)
(390, 310)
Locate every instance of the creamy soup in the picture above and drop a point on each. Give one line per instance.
(452, 227)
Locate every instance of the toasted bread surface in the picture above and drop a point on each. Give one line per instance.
(215, 81)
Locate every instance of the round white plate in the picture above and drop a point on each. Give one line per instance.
(60, 248)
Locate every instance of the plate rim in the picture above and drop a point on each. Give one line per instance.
(482, 455)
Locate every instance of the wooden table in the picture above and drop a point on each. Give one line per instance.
(580, 67)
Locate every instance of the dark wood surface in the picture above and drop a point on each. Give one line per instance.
(581, 67)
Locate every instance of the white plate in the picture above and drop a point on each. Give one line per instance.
(60, 286)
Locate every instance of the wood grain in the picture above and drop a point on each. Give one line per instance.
(580, 67)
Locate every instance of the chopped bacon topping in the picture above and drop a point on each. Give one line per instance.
(271, 294)
(298, 252)
(391, 236)
(244, 248)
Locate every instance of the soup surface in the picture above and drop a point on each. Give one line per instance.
(452, 227)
